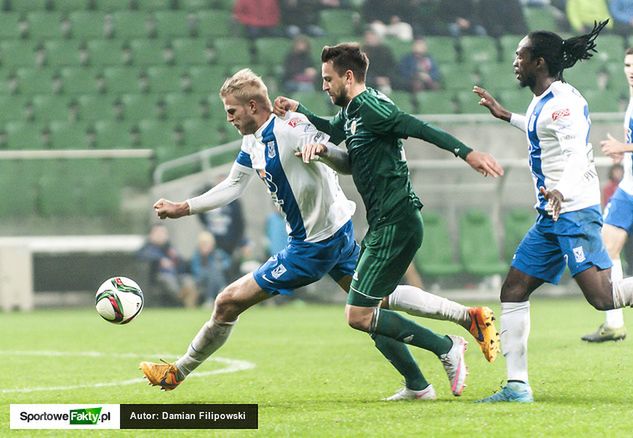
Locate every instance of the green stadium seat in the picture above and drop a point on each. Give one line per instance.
(140, 106)
(148, 52)
(497, 76)
(98, 177)
(47, 107)
(12, 108)
(94, 107)
(80, 80)
(87, 24)
(165, 79)
(436, 257)
(436, 102)
(616, 80)
(19, 202)
(131, 24)
(272, 52)
(584, 75)
(185, 106)
(515, 224)
(59, 191)
(173, 24)
(399, 48)
(541, 18)
(478, 49)
(316, 101)
(135, 172)
(156, 133)
(112, 5)
(207, 79)
(43, 25)
(602, 101)
(35, 81)
(316, 47)
(121, 80)
(232, 51)
(24, 135)
(111, 134)
(68, 135)
(468, 103)
(195, 5)
(155, 5)
(508, 46)
(442, 49)
(610, 48)
(28, 6)
(18, 53)
(71, 5)
(199, 133)
(337, 22)
(104, 53)
(10, 25)
(192, 51)
(516, 101)
(404, 101)
(456, 77)
(214, 23)
(61, 53)
(478, 245)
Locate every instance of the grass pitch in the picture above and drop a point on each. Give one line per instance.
(314, 376)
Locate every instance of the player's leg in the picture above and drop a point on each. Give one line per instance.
(614, 239)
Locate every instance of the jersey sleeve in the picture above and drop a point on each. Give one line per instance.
(243, 157)
(300, 132)
(333, 127)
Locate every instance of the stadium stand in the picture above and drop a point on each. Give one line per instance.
(478, 245)
(436, 258)
(516, 222)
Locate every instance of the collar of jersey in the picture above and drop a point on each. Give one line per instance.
(356, 102)
(259, 133)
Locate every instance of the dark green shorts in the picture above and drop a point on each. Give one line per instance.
(385, 256)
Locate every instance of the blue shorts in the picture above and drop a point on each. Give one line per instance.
(574, 240)
(619, 211)
(302, 263)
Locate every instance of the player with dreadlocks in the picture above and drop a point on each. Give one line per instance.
(567, 228)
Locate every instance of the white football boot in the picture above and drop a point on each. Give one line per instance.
(405, 393)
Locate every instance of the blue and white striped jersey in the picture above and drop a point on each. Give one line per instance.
(627, 180)
(557, 126)
(308, 195)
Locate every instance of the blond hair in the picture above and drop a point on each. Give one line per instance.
(245, 86)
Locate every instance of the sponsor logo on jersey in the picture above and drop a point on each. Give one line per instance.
(278, 271)
(560, 114)
(294, 122)
(270, 146)
(579, 254)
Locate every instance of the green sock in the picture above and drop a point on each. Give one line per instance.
(400, 357)
(395, 326)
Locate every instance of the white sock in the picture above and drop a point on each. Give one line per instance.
(615, 318)
(211, 336)
(515, 329)
(417, 302)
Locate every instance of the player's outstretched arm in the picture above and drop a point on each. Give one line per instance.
(333, 156)
(614, 148)
(484, 163)
(283, 104)
(169, 209)
(487, 100)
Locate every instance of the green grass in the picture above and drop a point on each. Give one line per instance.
(314, 376)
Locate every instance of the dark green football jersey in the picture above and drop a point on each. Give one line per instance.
(373, 128)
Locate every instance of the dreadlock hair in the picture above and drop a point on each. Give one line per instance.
(560, 54)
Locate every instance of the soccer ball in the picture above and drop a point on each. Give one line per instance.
(119, 300)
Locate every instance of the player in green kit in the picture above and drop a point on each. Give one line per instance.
(372, 127)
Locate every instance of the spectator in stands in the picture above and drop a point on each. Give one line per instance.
(382, 62)
(616, 172)
(208, 264)
(461, 17)
(418, 70)
(227, 226)
(165, 266)
(622, 13)
(301, 17)
(513, 21)
(392, 18)
(300, 73)
(260, 18)
(582, 14)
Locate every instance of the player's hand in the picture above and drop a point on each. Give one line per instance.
(484, 163)
(312, 152)
(554, 201)
(613, 148)
(495, 108)
(283, 104)
(168, 209)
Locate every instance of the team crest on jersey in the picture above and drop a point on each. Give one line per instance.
(560, 114)
(579, 254)
(270, 146)
(278, 271)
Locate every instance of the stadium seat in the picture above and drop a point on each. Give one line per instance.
(195, 5)
(584, 75)
(61, 53)
(173, 24)
(610, 48)
(436, 102)
(478, 49)
(148, 52)
(165, 79)
(154, 133)
(112, 5)
(457, 76)
(155, 5)
(478, 245)
(59, 191)
(214, 23)
(28, 6)
(404, 101)
(68, 135)
(87, 24)
(80, 80)
(121, 80)
(468, 103)
(516, 223)
(516, 100)
(508, 46)
(18, 53)
(71, 5)
(541, 18)
(337, 22)
(94, 107)
(316, 101)
(442, 49)
(207, 79)
(185, 105)
(616, 80)
(12, 107)
(602, 101)
(103, 181)
(272, 52)
(10, 25)
(47, 107)
(111, 134)
(44, 24)
(102, 53)
(192, 51)
(19, 202)
(316, 47)
(232, 51)
(436, 256)
(35, 81)
(497, 76)
(131, 24)
(199, 133)
(25, 135)
(399, 48)
(140, 106)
